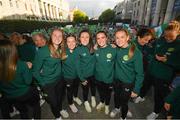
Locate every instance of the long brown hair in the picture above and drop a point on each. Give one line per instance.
(133, 46)
(145, 32)
(15, 38)
(8, 60)
(90, 46)
(60, 52)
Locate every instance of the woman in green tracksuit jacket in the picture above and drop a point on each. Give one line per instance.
(69, 69)
(47, 70)
(145, 43)
(128, 72)
(104, 70)
(86, 68)
(15, 82)
(161, 69)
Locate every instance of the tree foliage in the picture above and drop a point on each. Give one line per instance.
(80, 16)
(107, 15)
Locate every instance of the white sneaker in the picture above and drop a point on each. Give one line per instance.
(15, 112)
(100, 106)
(129, 114)
(106, 109)
(87, 106)
(122, 118)
(152, 116)
(93, 101)
(59, 118)
(64, 113)
(77, 100)
(42, 101)
(73, 108)
(139, 99)
(114, 112)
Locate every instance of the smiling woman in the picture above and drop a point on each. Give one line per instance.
(47, 70)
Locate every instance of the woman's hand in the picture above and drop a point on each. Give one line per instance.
(167, 106)
(133, 95)
(96, 46)
(29, 65)
(161, 58)
(113, 45)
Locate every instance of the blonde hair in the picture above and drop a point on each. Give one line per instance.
(173, 25)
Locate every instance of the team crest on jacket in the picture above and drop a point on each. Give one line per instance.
(170, 49)
(84, 54)
(97, 55)
(109, 55)
(125, 58)
(158, 45)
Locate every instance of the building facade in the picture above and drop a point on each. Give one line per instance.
(123, 10)
(118, 10)
(138, 12)
(154, 12)
(34, 9)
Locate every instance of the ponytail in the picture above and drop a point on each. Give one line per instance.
(131, 50)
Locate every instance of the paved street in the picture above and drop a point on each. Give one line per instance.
(139, 111)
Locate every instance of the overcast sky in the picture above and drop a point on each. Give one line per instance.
(93, 8)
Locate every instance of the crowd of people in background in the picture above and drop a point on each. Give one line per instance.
(40, 67)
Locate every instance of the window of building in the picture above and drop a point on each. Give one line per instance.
(135, 5)
(137, 13)
(45, 8)
(55, 12)
(35, 7)
(118, 13)
(138, 3)
(10, 3)
(25, 6)
(40, 7)
(0, 3)
(49, 10)
(17, 5)
(52, 10)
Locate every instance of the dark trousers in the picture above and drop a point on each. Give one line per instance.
(71, 85)
(76, 87)
(161, 90)
(92, 85)
(147, 84)
(23, 103)
(53, 94)
(104, 90)
(6, 108)
(122, 93)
